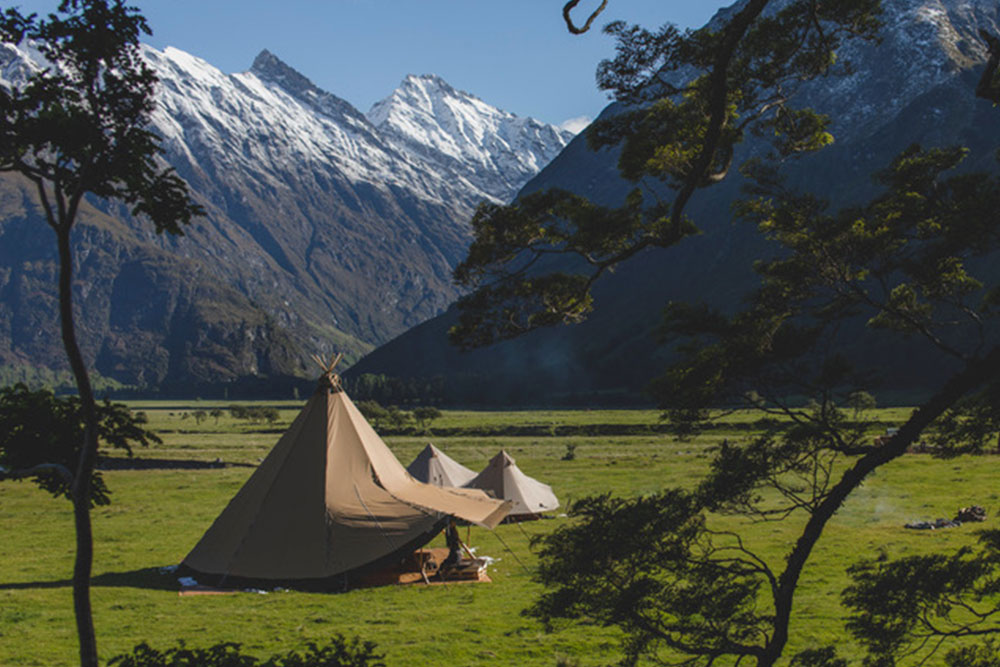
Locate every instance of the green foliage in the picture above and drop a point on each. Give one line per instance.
(158, 514)
(252, 413)
(82, 126)
(59, 381)
(860, 401)
(824, 657)
(971, 425)
(649, 566)
(396, 418)
(341, 652)
(508, 242)
(39, 428)
(390, 417)
(76, 127)
(897, 263)
(374, 413)
(424, 415)
(221, 655)
(902, 265)
(674, 133)
(386, 389)
(986, 654)
(898, 605)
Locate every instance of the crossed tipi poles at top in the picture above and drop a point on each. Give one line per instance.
(327, 368)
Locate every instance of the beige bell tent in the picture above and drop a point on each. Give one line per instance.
(329, 503)
(502, 478)
(435, 467)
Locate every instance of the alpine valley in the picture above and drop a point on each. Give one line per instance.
(325, 228)
(916, 86)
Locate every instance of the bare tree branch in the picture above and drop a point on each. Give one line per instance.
(572, 27)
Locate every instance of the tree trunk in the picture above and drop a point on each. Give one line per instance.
(80, 491)
(961, 384)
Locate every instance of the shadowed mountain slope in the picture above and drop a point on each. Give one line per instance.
(917, 86)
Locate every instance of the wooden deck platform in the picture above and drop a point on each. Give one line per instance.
(424, 567)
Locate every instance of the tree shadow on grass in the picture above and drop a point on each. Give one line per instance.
(150, 578)
(137, 463)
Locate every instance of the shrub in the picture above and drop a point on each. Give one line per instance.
(425, 415)
(255, 414)
(372, 412)
(340, 652)
(41, 435)
(396, 418)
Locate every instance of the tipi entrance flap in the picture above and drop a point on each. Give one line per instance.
(471, 505)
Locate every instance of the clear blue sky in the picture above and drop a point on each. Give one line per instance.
(515, 54)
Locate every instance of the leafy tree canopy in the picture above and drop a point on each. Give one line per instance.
(910, 264)
(691, 97)
(41, 435)
(340, 652)
(901, 265)
(424, 415)
(81, 124)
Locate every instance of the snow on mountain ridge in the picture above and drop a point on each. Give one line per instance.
(262, 124)
(492, 150)
(333, 228)
(16, 64)
(445, 145)
(923, 43)
(269, 67)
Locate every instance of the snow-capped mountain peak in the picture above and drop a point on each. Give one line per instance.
(492, 150)
(268, 67)
(316, 221)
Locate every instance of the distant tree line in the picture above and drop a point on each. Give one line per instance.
(254, 413)
(390, 390)
(481, 389)
(393, 417)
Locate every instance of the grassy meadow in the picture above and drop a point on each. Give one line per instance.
(158, 514)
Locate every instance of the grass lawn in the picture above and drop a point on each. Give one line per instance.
(157, 515)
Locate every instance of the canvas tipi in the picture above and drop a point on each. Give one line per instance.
(329, 502)
(435, 467)
(504, 479)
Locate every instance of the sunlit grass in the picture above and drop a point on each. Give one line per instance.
(157, 515)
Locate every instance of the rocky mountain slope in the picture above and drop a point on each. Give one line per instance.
(916, 86)
(323, 228)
